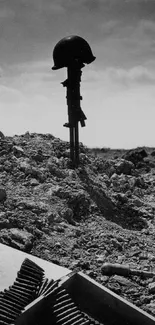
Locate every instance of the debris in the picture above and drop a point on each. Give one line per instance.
(96, 214)
(151, 287)
(135, 155)
(125, 270)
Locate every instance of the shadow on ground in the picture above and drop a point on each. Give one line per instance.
(124, 216)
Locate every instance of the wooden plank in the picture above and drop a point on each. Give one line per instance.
(11, 260)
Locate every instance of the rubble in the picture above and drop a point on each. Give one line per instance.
(151, 287)
(135, 155)
(101, 212)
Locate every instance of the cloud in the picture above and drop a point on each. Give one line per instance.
(6, 13)
(129, 10)
(138, 75)
(29, 6)
(51, 7)
(124, 44)
(1, 71)
(121, 29)
(92, 5)
(148, 26)
(36, 66)
(31, 79)
(9, 95)
(118, 78)
(109, 27)
(56, 7)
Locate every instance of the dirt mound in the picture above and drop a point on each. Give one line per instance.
(101, 212)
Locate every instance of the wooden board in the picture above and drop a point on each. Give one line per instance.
(10, 263)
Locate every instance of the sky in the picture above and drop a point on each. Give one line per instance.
(118, 88)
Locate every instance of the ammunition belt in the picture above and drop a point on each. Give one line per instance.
(62, 309)
(31, 283)
(24, 290)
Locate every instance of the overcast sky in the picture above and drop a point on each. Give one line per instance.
(118, 88)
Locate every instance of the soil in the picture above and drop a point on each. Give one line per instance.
(101, 212)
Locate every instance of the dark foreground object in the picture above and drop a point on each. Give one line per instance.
(77, 299)
(73, 52)
(24, 290)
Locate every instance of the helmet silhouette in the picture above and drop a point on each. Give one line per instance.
(70, 49)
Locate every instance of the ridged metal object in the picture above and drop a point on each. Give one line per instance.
(74, 299)
(61, 309)
(65, 312)
(24, 290)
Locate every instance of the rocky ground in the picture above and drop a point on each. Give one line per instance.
(104, 211)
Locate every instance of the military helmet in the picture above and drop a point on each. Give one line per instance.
(70, 49)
